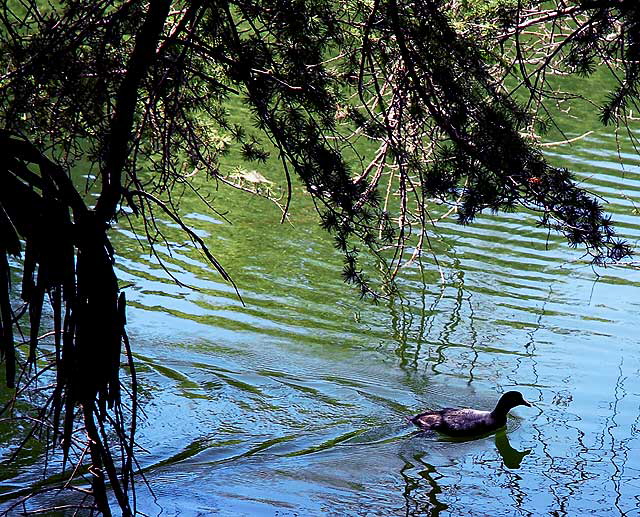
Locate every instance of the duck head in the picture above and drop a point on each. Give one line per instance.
(509, 400)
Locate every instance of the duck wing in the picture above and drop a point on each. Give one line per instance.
(456, 422)
(428, 420)
(466, 422)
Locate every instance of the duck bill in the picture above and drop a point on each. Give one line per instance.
(527, 403)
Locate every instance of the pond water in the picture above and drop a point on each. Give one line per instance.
(295, 404)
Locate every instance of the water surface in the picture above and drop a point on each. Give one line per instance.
(295, 403)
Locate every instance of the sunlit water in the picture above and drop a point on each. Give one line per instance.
(295, 404)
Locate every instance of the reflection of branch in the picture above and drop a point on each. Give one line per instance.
(619, 395)
(412, 493)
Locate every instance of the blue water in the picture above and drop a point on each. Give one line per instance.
(295, 403)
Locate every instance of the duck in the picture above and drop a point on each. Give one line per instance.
(470, 422)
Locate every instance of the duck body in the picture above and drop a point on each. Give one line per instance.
(470, 422)
(459, 422)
